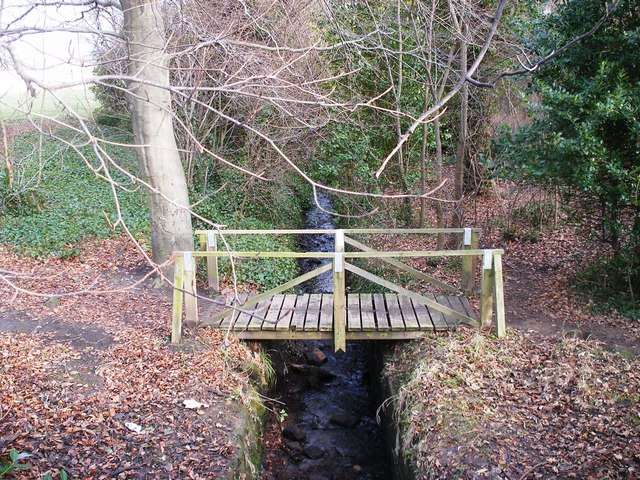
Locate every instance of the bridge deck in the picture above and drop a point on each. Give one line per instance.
(368, 317)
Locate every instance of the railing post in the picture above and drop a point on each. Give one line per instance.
(211, 245)
(470, 241)
(501, 329)
(191, 300)
(178, 285)
(486, 298)
(339, 297)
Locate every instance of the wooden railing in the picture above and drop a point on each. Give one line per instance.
(491, 280)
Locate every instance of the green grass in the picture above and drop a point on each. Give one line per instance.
(54, 212)
(16, 102)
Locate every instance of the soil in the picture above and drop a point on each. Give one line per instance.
(527, 310)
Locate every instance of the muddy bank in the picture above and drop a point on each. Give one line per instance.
(388, 387)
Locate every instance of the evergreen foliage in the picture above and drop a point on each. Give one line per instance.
(585, 129)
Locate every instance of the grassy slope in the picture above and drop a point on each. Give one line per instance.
(16, 101)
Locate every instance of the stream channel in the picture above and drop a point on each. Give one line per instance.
(325, 427)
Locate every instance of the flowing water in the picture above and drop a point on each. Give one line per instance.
(331, 409)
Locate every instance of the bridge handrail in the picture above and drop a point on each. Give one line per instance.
(390, 231)
(393, 254)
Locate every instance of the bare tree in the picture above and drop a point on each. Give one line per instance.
(150, 106)
(256, 71)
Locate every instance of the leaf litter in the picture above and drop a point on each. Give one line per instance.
(111, 405)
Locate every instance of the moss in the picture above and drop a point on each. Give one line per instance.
(248, 435)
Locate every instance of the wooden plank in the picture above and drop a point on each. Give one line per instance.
(456, 304)
(274, 313)
(326, 313)
(467, 263)
(423, 316)
(282, 335)
(445, 301)
(296, 335)
(313, 313)
(467, 306)
(286, 312)
(211, 245)
(408, 314)
(353, 313)
(259, 314)
(395, 315)
(440, 322)
(416, 253)
(274, 291)
(398, 264)
(382, 316)
(300, 312)
(262, 254)
(415, 296)
(486, 295)
(226, 321)
(399, 231)
(366, 313)
(269, 232)
(235, 313)
(407, 230)
(498, 287)
(190, 289)
(178, 285)
(389, 254)
(243, 319)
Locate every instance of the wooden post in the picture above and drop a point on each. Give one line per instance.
(467, 262)
(471, 241)
(339, 297)
(202, 240)
(212, 262)
(498, 283)
(486, 298)
(190, 300)
(475, 245)
(178, 285)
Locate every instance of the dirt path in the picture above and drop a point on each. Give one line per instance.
(537, 299)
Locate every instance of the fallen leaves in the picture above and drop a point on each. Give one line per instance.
(92, 386)
(545, 408)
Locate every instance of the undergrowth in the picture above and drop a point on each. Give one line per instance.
(611, 286)
(61, 203)
(238, 204)
(56, 204)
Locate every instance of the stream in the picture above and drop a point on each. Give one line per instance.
(325, 427)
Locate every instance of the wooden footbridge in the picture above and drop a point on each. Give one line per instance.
(402, 314)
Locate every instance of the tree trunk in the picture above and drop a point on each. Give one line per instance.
(423, 167)
(458, 213)
(150, 107)
(439, 212)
